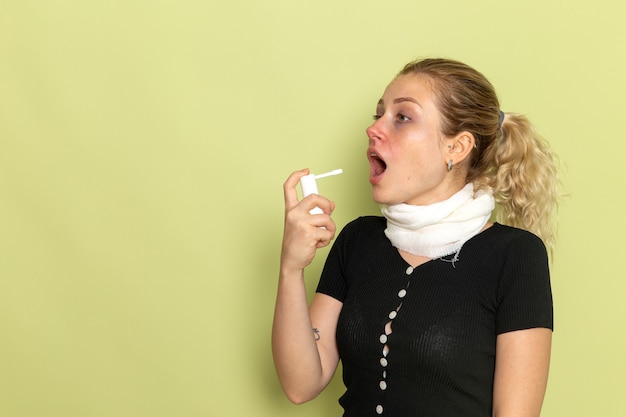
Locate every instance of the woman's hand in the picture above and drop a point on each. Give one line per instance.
(304, 232)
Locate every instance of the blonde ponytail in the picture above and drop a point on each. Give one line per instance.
(524, 178)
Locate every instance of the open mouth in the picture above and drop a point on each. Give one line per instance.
(377, 165)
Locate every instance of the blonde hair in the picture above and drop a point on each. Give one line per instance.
(510, 157)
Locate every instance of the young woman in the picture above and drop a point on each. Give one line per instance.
(433, 309)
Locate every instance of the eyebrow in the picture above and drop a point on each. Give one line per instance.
(400, 100)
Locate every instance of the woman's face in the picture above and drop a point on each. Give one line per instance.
(407, 151)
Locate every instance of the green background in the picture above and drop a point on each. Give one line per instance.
(143, 147)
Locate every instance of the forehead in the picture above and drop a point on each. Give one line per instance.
(410, 85)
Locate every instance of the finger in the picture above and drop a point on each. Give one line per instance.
(289, 187)
(326, 235)
(321, 230)
(324, 221)
(315, 200)
(327, 206)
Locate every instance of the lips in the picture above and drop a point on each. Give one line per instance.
(377, 166)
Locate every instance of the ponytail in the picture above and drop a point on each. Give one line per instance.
(524, 178)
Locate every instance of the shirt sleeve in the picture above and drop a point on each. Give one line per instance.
(524, 291)
(333, 281)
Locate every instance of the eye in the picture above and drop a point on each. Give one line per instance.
(376, 116)
(402, 118)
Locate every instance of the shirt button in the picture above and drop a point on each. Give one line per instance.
(393, 315)
(383, 385)
(383, 361)
(379, 409)
(409, 270)
(402, 293)
(383, 338)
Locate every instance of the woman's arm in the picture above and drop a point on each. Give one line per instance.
(521, 375)
(303, 339)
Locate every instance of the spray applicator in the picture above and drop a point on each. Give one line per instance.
(309, 185)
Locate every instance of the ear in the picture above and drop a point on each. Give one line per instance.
(460, 146)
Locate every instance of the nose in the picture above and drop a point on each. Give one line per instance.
(375, 131)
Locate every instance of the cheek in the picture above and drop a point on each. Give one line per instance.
(426, 167)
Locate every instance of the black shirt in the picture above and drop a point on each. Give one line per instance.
(422, 342)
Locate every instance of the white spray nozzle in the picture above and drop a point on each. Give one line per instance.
(328, 174)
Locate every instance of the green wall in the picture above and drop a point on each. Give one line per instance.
(143, 147)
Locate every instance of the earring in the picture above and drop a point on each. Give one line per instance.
(450, 165)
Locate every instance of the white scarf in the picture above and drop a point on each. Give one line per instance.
(441, 228)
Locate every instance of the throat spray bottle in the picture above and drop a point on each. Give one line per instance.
(308, 184)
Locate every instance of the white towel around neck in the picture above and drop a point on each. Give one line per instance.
(441, 228)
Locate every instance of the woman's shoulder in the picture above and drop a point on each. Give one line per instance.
(501, 235)
(366, 224)
(362, 229)
(510, 232)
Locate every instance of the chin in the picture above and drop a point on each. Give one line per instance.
(379, 198)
